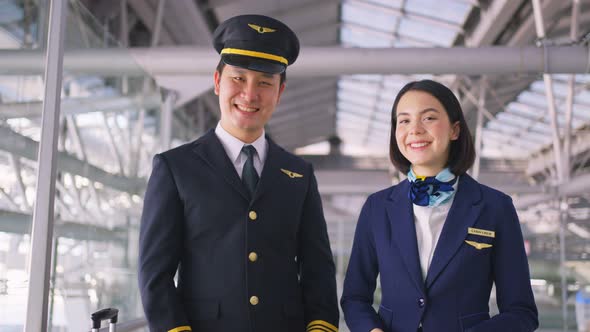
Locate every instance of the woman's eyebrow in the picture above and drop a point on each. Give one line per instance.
(426, 110)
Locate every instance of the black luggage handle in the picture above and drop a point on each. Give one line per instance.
(103, 314)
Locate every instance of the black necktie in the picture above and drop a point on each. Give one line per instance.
(249, 175)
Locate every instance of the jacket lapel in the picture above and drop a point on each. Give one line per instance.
(403, 231)
(463, 214)
(210, 149)
(270, 170)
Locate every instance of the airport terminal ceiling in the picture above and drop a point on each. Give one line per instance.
(533, 146)
(348, 117)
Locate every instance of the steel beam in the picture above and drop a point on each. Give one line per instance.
(439, 22)
(314, 62)
(16, 165)
(20, 223)
(492, 21)
(576, 186)
(72, 106)
(112, 143)
(25, 147)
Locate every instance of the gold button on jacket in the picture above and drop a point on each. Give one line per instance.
(253, 257)
(252, 215)
(254, 300)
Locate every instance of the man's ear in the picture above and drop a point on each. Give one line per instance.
(216, 78)
(281, 89)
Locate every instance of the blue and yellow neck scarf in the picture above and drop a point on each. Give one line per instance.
(432, 190)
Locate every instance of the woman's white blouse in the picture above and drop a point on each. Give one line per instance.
(429, 221)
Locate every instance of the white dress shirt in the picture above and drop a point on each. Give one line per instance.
(429, 221)
(233, 149)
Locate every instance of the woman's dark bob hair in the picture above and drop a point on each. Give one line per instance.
(462, 153)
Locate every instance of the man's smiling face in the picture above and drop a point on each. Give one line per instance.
(247, 100)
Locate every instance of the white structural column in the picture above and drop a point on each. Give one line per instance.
(567, 147)
(166, 120)
(140, 124)
(479, 127)
(124, 37)
(42, 230)
(540, 28)
(562, 208)
(563, 202)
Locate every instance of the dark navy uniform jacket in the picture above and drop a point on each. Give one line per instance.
(256, 265)
(480, 244)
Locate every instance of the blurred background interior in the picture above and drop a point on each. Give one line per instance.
(137, 80)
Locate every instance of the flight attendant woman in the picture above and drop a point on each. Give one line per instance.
(438, 240)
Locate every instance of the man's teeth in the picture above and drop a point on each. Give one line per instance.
(418, 145)
(246, 109)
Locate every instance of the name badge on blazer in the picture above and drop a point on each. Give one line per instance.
(291, 174)
(481, 232)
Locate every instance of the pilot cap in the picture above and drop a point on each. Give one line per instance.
(256, 42)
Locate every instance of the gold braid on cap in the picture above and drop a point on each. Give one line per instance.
(255, 54)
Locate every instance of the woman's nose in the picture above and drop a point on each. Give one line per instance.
(416, 127)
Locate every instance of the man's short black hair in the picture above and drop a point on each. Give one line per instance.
(221, 65)
(462, 151)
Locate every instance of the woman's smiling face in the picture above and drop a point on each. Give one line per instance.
(424, 132)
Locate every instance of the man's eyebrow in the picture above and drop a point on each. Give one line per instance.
(267, 75)
(239, 70)
(242, 71)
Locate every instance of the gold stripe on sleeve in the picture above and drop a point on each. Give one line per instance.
(321, 326)
(180, 329)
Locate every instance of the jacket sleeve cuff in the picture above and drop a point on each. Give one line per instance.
(321, 326)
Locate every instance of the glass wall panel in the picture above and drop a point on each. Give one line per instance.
(19, 136)
(108, 130)
(107, 136)
(554, 282)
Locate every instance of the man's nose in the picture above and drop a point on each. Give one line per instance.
(250, 92)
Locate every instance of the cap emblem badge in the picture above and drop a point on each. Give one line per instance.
(260, 29)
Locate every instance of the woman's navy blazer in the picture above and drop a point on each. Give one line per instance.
(481, 244)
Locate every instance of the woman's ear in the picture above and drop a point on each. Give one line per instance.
(455, 131)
